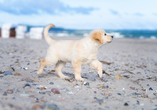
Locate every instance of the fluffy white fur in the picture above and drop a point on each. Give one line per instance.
(78, 52)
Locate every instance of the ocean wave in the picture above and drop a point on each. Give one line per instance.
(116, 35)
(85, 34)
(62, 34)
(152, 37)
(141, 37)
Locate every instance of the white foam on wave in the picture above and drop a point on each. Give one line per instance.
(116, 35)
(85, 34)
(141, 37)
(152, 37)
(62, 34)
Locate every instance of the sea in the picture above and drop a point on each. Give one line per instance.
(136, 34)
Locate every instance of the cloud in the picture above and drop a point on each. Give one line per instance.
(138, 14)
(27, 7)
(114, 12)
(155, 14)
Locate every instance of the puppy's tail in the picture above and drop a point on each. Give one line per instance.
(46, 34)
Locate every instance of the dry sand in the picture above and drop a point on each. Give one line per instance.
(129, 79)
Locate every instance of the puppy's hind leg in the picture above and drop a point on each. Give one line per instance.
(95, 64)
(58, 69)
(77, 70)
(42, 65)
(46, 62)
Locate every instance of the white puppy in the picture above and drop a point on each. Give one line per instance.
(78, 52)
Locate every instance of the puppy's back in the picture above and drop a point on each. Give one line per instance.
(62, 49)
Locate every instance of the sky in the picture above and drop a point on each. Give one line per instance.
(81, 14)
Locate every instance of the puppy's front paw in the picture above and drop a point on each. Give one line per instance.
(79, 79)
(39, 73)
(100, 75)
(64, 77)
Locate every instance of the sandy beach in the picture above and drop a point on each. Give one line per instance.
(129, 78)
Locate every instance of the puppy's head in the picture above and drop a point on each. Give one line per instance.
(100, 36)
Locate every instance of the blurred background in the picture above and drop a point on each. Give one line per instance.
(123, 18)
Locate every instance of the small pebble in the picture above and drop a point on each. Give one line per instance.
(138, 102)
(126, 104)
(147, 84)
(150, 89)
(135, 93)
(25, 68)
(5, 94)
(119, 93)
(31, 96)
(51, 83)
(104, 86)
(36, 99)
(41, 88)
(86, 83)
(40, 92)
(47, 106)
(7, 73)
(69, 93)
(26, 85)
(35, 84)
(17, 74)
(1, 76)
(133, 88)
(118, 76)
(37, 106)
(9, 91)
(55, 91)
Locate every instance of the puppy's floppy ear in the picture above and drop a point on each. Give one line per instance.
(97, 37)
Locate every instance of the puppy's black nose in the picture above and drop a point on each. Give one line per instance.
(112, 36)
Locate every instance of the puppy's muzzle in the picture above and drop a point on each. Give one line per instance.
(111, 40)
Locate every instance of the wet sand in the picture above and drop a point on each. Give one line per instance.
(129, 78)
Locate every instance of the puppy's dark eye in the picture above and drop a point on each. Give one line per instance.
(105, 34)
